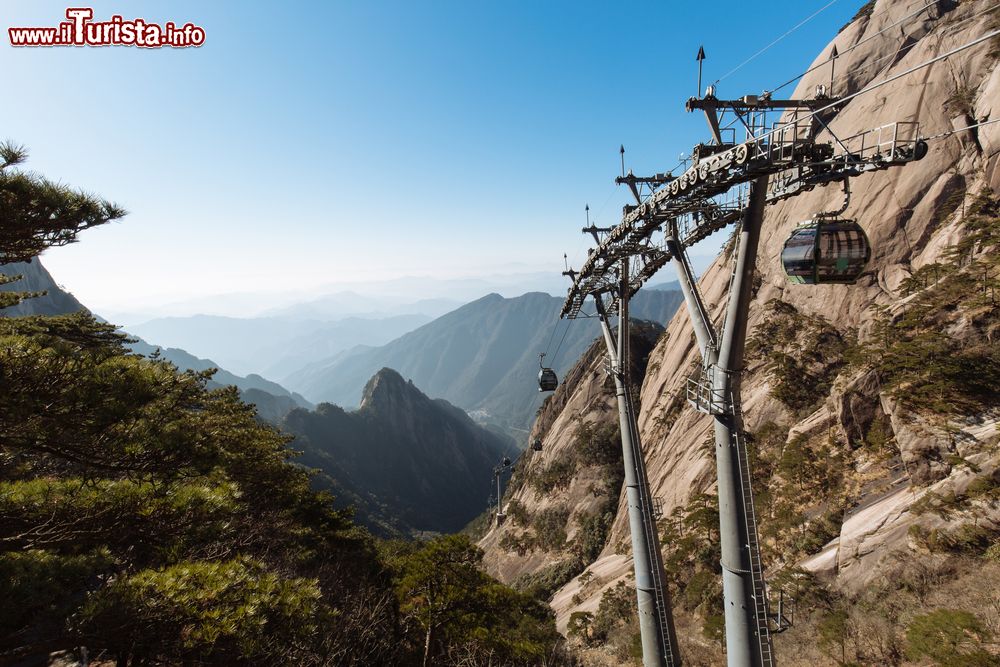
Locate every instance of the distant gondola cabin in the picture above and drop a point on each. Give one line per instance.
(826, 251)
(547, 380)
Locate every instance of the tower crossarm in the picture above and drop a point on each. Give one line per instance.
(706, 197)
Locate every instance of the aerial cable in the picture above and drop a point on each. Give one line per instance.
(605, 204)
(789, 32)
(879, 84)
(552, 337)
(849, 49)
(561, 340)
(962, 129)
(909, 46)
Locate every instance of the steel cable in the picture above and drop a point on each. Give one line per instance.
(962, 129)
(864, 41)
(789, 32)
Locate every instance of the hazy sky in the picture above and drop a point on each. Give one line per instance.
(309, 143)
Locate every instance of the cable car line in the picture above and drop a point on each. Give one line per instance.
(849, 49)
(552, 337)
(845, 75)
(789, 32)
(561, 341)
(962, 129)
(869, 88)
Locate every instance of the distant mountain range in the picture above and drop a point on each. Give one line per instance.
(407, 463)
(482, 357)
(274, 346)
(271, 399)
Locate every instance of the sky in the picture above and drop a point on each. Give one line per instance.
(308, 144)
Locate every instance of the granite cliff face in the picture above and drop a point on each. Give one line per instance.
(820, 385)
(36, 278)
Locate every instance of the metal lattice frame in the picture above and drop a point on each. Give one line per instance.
(725, 183)
(711, 194)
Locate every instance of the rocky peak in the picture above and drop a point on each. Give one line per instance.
(387, 392)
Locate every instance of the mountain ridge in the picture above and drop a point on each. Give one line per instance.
(271, 399)
(482, 357)
(410, 463)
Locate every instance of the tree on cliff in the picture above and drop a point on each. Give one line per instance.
(461, 615)
(36, 214)
(146, 517)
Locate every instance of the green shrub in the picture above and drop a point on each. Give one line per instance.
(543, 583)
(801, 354)
(556, 475)
(617, 606)
(549, 527)
(592, 533)
(950, 637)
(579, 625)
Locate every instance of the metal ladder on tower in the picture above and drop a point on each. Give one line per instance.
(762, 615)
(649, 528)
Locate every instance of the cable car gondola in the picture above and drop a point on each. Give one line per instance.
(547, 380)
(825, 251)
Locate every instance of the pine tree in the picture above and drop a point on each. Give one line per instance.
(36, 214)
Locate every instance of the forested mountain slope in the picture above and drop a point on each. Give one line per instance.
(414, 463)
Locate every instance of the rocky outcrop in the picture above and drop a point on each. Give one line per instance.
(577, 426)
(35, 278)
(407, 461)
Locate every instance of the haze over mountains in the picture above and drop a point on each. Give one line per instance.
(274, 346)
(272, 400)
(278, 341)
(482, 357)
(370, 299)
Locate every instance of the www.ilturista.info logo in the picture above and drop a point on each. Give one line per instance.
(80, 30)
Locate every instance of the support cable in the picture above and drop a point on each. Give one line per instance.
(561, 340)
(845, 75)
(962, 129)
(849, 49)
(789, 32)
(552, 336)
(869, 88)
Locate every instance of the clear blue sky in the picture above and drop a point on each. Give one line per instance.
(315, 142)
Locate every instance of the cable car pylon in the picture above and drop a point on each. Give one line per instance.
(656, 623)
(671, 214)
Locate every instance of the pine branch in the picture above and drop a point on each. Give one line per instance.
(36, 213)
(11, 154)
